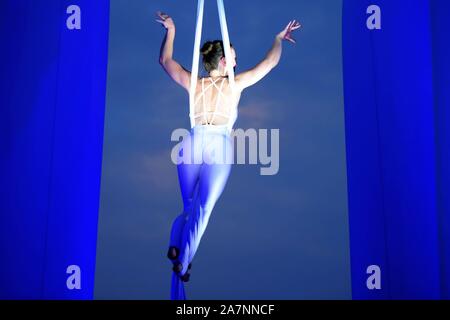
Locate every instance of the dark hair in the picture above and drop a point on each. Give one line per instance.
(212, 52)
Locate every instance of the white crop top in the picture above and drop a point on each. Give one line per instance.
(233, 113)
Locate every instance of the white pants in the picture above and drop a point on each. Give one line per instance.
(202, 178)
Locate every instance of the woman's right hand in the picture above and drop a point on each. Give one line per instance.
(165, 20)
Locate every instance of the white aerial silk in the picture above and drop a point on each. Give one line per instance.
(177, 291)
(196, 55)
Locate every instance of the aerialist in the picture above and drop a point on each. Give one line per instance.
(213, 114)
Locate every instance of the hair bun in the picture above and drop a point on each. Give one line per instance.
(207, 48)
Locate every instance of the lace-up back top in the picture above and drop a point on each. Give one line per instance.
(218, 106)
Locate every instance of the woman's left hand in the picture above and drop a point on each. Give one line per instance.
(286, 34)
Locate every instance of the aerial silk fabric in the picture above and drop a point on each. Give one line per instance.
(397, 121)
(52, 103)
(177, 285)
(196, 54)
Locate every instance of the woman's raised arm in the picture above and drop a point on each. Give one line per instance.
(179, 74)
(252, 76)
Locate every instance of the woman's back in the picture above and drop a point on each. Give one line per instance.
(214, 102)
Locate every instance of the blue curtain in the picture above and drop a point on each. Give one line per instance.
(396, 83)
(52, 103)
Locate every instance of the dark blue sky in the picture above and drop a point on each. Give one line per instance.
(269, 237)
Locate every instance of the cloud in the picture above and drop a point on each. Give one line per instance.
(259, 113)
(155, 170)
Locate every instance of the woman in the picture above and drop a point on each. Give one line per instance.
(215, 111)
